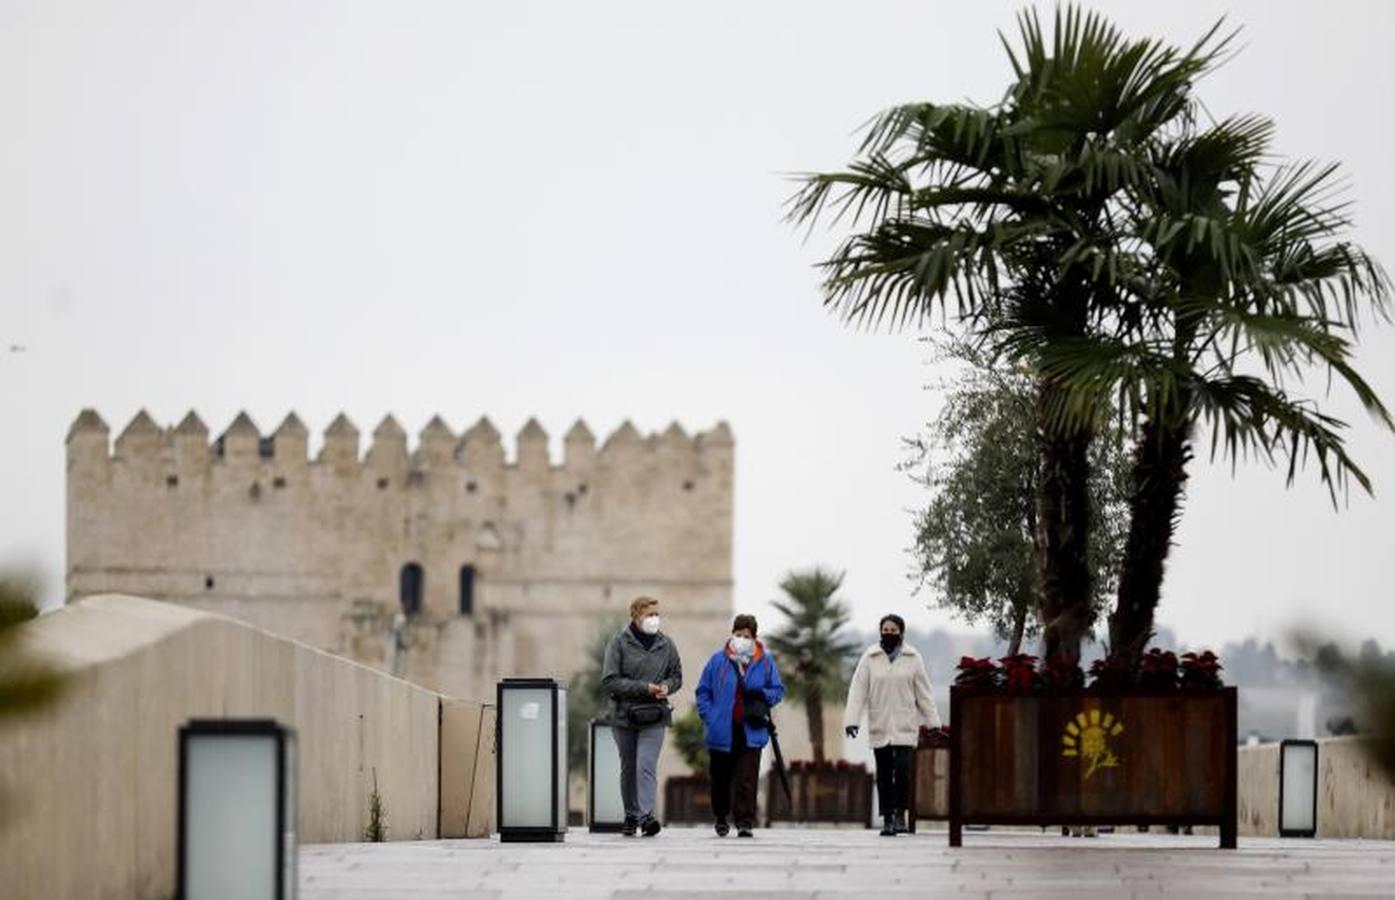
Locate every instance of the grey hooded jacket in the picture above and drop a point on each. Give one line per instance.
(629, 669)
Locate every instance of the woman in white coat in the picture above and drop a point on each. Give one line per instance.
(891, 685)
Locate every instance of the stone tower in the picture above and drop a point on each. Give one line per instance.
(445, 562)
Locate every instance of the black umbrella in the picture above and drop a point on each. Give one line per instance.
(758, 715)
(780, 761)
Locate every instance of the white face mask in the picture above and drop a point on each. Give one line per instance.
(649, 624)
(742, 646)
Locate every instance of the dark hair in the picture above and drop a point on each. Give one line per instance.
(899, 622)
(745, 620)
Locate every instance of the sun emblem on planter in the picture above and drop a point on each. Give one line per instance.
(1088, 737)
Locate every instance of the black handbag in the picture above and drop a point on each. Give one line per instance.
(641, 715)
(754, 709)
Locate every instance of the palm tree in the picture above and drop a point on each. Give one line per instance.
(1250, 284)
(813, 655)
(1016, 206)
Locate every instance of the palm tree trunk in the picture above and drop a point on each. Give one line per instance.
(1062, 536)
(1159, 479)
(813, 710)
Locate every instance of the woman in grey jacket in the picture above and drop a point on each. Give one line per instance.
(641, 671)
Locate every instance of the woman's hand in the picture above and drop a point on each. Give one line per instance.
(658, 691)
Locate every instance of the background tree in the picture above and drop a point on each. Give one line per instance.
(1012, 213)
(812, 650)
(975, 540)
(1368, 678)
(27, 683)
(586, 700)
(690, 740)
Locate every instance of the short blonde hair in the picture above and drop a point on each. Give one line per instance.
(640, 604)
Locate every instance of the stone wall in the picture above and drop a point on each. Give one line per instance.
(1356, 799)
(248, 525)
(91, 782)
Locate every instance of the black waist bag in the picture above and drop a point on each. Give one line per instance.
(641, 715)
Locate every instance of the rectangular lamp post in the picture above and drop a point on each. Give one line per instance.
(531, 775)
(236, 810)
(605, 809)
(1298, 784)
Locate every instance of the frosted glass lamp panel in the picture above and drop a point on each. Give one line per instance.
(230, 822)
(605, 766)
(1300, 774)
(526, 760)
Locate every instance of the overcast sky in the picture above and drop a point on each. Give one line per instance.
(574, 209)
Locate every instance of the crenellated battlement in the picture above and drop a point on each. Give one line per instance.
(501, 554)
(145, 444)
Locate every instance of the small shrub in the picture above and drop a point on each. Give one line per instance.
(376, 832)
(689, 736)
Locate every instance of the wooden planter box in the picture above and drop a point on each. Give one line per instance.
(929, 785)
(1085, 757)
(687, 800)
(823, 794)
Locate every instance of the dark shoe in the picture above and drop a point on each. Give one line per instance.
(722, 828)
(649, 826)
(888, 826)
(630, 826)
(744, 831)
(898, 821)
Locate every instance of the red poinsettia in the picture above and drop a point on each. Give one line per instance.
(978, 673)
(1019, 672)
(1059, 674)
(1201, 670)
(1158, 669)
(933, 737)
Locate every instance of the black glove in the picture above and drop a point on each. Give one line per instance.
(850, 731)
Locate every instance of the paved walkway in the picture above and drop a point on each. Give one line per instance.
(691, 863)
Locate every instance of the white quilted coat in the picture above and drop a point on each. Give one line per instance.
(895, 696)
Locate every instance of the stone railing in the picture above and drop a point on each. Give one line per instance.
(90, 782)
(1355, 798)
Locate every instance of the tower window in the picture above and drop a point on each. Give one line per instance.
(467, 590)
(410, 588)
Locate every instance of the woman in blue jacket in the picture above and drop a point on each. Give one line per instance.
(738, 687)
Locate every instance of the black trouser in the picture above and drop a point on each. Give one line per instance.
(734, 779)
(893, 778)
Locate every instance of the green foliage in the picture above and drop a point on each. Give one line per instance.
(812, 649)
(1370, 678)
(975, 541)
(1090, 228)
(1014, 220)
(27, 684)
(689, 737)
(377, 830)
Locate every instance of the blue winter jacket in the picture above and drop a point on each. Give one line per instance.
(716, 696)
